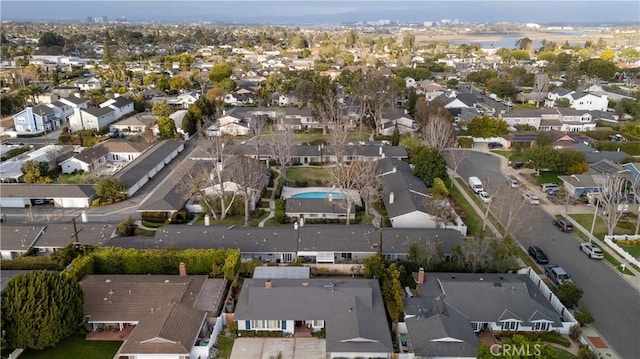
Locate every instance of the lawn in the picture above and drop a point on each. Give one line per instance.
(633, 250)
(313, 176)
(600, 229)
(224, 345)
(546, 177)
(79, 178)
(75, 347)
(509, 154)
(473, 220)
(563, 354)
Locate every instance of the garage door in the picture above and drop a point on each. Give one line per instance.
(13, 202)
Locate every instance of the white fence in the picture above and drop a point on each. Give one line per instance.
(609, 240)
(567, 318)
(203, 351)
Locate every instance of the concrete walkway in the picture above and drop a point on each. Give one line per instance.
(272, 198)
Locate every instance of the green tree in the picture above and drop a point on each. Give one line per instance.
(179, 83)
(542, 157)
(167, 128)
(599, 68)
(569, 294)
(374, 267)
(127, 227)
(226, 85)
(428, 165)
(584, 316)
(485, 127)
(220, 72)
(190, 122)
(110, 189)
(562, 102)
(395, 136)
(39, 309)
(520, 55)
(439, 189)
(35, 172)
(50, 39)
(161, 109)
(232, 264)
(392, 291)
(502, 87)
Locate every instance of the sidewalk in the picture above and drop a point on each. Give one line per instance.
(271, 199)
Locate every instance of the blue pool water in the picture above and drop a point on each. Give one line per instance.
(322, 195)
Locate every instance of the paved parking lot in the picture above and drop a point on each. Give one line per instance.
(291, 348)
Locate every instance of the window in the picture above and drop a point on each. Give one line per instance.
(287, 257)
(346, 256)
(541, 326)
(318, 323)
(265, 324)
(475, 326)
(510, 325)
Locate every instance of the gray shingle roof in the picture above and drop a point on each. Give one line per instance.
(317, 205)
(487, 297)
(409, 191)
(352, 309)
(97, 111)
(429, 320)
(58, 235)
(139, 167)
(19, 238)
(279, 239)
(28, 190)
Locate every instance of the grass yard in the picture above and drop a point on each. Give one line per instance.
(510, 154)
(545, 177)
(633, 250)
(224, 345)
(79, 178)
(600, 229)
(313, 176)
(75, 347)
(473, 220)
(563, 354)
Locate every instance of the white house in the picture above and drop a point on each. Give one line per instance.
(135, 124)
(233, 125)
(74, 101)
(578, 100)
(89, 83)
(35, 120)
(120, 105)
(396, 117)
(91, 118)
(107, 152)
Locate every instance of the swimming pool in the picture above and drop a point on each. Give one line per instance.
(321, 195)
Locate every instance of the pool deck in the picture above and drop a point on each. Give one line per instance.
(288, 192)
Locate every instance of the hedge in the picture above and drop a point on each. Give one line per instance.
(30, 263)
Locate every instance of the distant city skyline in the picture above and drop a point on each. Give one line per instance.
(326, 12)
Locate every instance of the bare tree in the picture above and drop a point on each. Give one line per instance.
(282, 149)
(612, 195)
(455, 158)
(475, 253)
(635, 190)
(256, 128)
(219, 158)
(509, 207)
(250, 176)
(428, 253)
(338, 140)
(368, 183)
(436, 124)
(346, 179)
(322, 95)
(440, 208)
(540, 87)
(375, 92)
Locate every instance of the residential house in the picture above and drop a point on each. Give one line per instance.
(73, 101)
(122, 106)
(283, 100)
(56, 236)
(62, 110)
(21, 195)
(230, 124)
(452, 100)
(408, 202)
(136, 124)
(522, 139)
(36, 120)
(592, 155)
(564, 139)
(183, 100)
(308, 243)
(396, 117)
(105, 154)
(351, 311)
(499, 302)
(91, 118)
(634, 169)
(167, 316)
(576, 120)
(319, 208)
(11, 171)
(18, 240)
(232, 184)
(88, 83)
(578, 100)
(533, 117)
(580, 185)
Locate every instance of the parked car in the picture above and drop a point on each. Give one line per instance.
(38, 201)
(513, 183)
(563, 224)
(517, 165)
(547, 186)
(484, 197)
(531, 198)
(493, 145)
(591, 250)
(538, 254)
(557, 275)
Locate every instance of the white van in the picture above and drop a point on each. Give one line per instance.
(476, 184)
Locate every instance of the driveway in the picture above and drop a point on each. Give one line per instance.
(290, 348)
(614, 303)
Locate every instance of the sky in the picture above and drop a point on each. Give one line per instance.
(327, 11)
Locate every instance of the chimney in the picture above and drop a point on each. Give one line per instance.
(267, 283)
(421, 276)
(182, 269)
(391, 197)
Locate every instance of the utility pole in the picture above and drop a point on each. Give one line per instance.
(44, 127)
(76, 241)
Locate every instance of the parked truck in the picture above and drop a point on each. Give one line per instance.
(476, 184)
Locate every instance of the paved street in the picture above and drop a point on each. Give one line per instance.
(614, 303)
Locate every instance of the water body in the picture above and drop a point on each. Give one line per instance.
(318, 195)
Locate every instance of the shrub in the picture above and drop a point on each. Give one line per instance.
(583, 316)
(29, 263)
(280, 211)
(586, 353)
(575, 332)
(465, 142)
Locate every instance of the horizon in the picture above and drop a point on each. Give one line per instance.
(325, 12)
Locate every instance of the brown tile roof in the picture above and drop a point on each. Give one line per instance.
(128, 298)
(172, 329)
